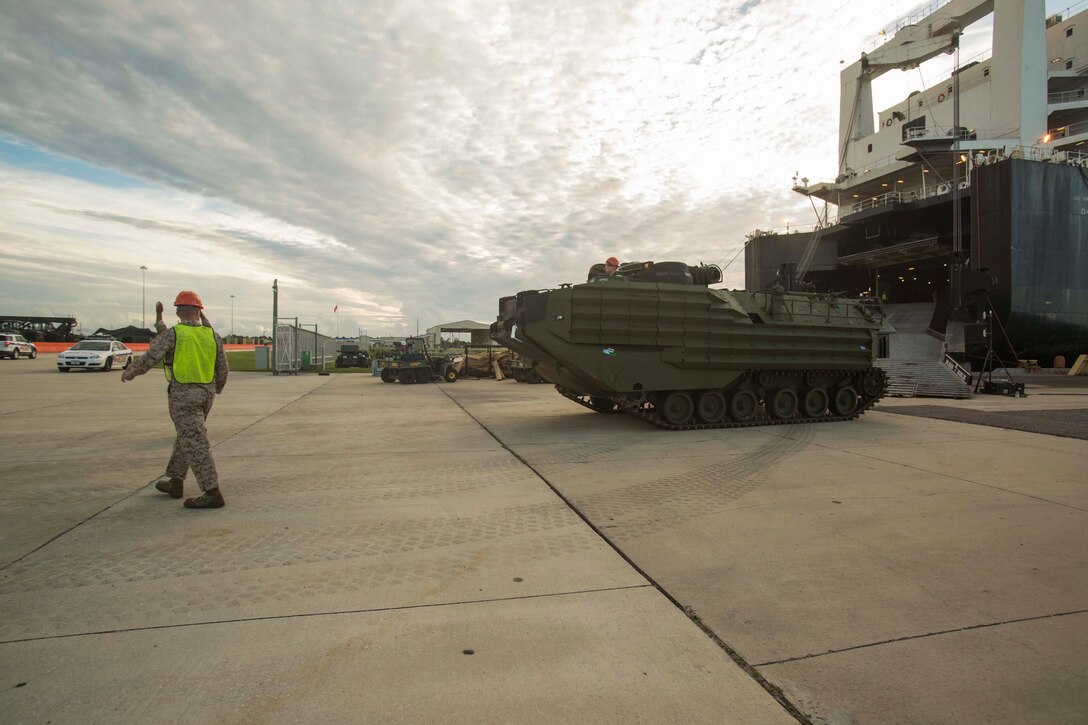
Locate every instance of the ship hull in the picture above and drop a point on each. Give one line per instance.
(1025, 226)
(1031, 232)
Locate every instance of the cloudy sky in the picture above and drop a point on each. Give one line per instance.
(402, 160)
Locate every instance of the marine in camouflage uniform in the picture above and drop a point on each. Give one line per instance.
(189, 402)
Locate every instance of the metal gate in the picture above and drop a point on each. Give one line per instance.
(286, 347)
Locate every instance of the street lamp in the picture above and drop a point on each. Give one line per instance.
(232, 318)
(143, 295)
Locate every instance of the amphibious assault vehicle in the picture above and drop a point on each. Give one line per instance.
(657, 342)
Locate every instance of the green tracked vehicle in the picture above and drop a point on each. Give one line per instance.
(655, 341)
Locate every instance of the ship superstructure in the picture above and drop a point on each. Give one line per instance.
(970, 195)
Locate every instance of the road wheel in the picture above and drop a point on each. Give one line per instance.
(388, 376)
(15, 354)
(108, 366)
(63, 370)
(743, 406)
(450, 376)
(815, 402)
(128, 361)
(601, 405)
(677, 408)
(33, 354)
(711, 407)
(845, 401)
(784, 404)
(872, 384)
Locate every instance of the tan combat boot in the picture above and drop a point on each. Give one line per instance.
(169, 484)
(210, 499)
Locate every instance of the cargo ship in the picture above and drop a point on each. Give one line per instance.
(964, 205)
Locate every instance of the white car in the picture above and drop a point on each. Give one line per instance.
(94, 355)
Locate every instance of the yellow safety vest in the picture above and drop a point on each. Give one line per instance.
(194, 355)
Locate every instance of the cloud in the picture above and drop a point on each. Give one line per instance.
(403, 160)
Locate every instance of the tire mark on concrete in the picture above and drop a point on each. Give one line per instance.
(645, 508)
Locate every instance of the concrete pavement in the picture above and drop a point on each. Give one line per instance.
(490, 552)
(381, 559)
(892, 569)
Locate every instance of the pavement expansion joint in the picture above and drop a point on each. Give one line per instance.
(65, 404)
(128, 495)
(74, 527)
(908, 638)
(271, 413)
(968, 480)
(334, 613)
(768, 686)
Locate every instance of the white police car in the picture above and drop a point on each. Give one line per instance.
(94, 355)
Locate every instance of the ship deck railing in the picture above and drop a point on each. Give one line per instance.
(1064, 14)
(1072, 129)
(888, 32)
(794, 228)
(932, 132)
(983, 158)
(913, 19)
(964, 64)
(1079, 94)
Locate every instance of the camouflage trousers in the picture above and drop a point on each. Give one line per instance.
(189, 408)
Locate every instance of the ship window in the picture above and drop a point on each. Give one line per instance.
(920, 102)
(985, 71)
(870, 148)
(1069, 65)
(1069, 32)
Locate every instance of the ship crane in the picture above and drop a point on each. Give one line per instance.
(1018, 100)
(913, 44)
(916, 40)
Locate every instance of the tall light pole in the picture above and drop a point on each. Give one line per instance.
(143, 295)
(232, 318)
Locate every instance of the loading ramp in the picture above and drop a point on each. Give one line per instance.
(916, 367)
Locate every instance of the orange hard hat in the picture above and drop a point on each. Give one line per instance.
(188, 298)
(612, 262)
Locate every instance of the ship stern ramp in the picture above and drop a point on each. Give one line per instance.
(915, 366)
